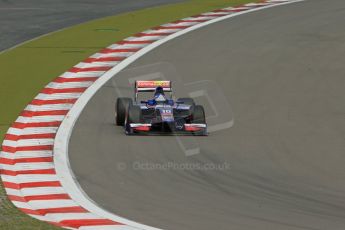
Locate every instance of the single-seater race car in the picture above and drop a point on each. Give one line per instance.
(160, 114)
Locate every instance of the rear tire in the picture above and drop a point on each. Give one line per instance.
(198, 115)
(187, 101)
(121, 107)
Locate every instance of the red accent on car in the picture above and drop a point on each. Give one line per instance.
(192, 128)
(142, 128)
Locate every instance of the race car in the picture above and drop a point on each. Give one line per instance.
(160, 114)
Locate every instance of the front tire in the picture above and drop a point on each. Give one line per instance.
(121, 107)
(133, 116)
(198, 115)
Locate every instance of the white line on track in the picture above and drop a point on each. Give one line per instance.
(61, 160)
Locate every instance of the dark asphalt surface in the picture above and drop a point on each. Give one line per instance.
(282, 71)
(22, 20)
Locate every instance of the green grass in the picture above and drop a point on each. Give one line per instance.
(26, 69)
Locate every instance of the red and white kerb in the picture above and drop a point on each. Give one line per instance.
(27, 159)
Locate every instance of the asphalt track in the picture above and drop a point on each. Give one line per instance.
(24, 20)
(282, 71)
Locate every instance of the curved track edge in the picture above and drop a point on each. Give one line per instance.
(34, 164)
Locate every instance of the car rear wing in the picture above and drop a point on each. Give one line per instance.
(150, 86)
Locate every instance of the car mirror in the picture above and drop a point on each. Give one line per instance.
(170, 102)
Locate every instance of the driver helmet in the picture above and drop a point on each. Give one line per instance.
(159, 94)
